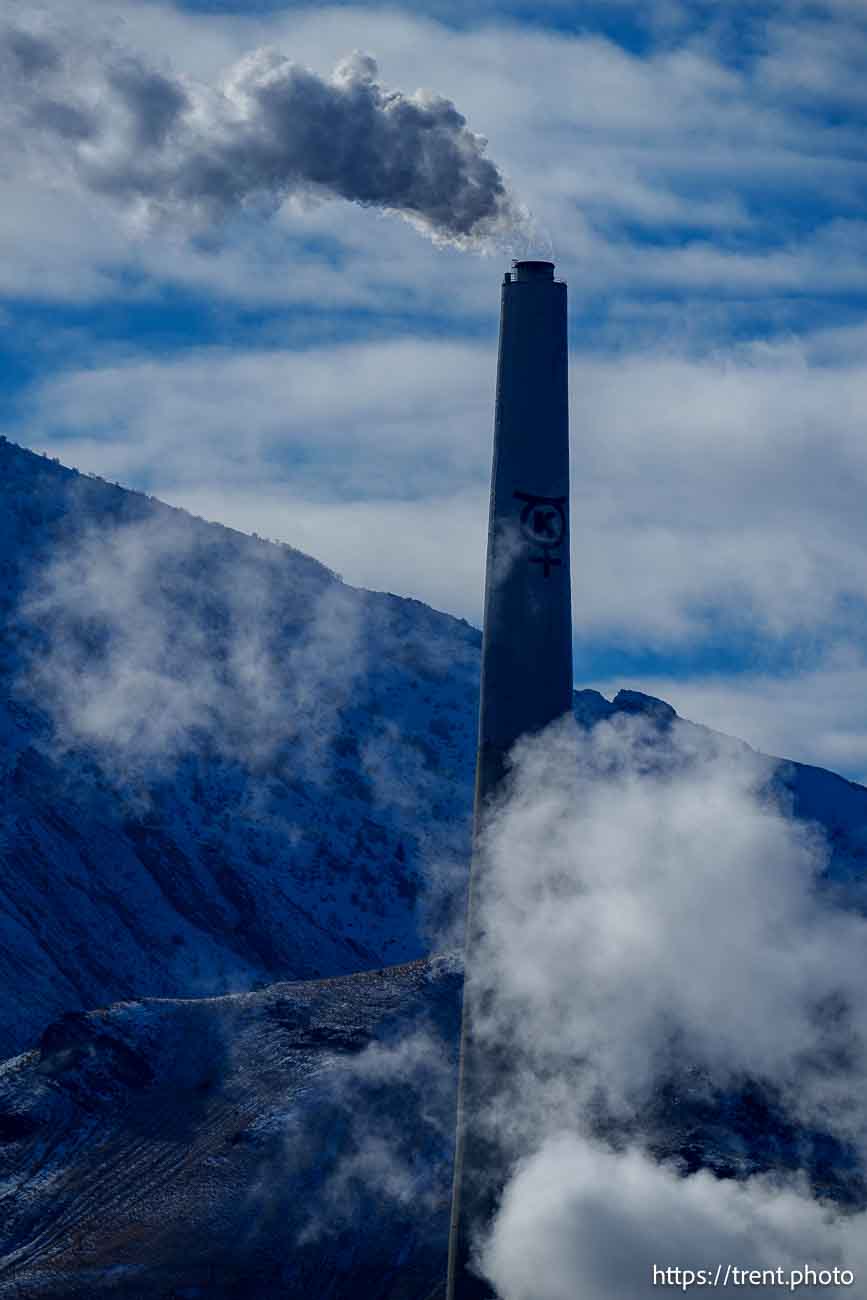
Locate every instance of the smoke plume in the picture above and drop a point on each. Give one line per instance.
(165, 145)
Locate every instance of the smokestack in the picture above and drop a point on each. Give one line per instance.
(526, 663)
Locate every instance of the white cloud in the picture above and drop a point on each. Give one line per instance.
(581, 126)
(124, 620)
(337, 419)
(601, 875)
(382, 1159)
(581, 1218)
(650, 917)
(708, 490)
(815, 57)
(432, 548)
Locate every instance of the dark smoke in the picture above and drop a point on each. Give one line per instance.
(272, 128)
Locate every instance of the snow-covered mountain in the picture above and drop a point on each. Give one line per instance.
(222, 769)
(221, 766)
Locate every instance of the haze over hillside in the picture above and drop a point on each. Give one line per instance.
(219, 765)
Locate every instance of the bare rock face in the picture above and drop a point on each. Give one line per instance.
(247, 1146)
(647, 705)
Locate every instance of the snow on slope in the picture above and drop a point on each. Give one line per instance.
(287, 1143)
(293, 1142)
(218, 764)
(221, 766)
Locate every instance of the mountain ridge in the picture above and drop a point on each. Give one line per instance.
(274, 784)
(257, 849)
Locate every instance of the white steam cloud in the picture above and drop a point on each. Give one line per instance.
(141, 661)
(392, 1148)
(655, 927)
(166, 145)
(577, 1219)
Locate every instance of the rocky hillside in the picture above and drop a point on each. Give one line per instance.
(220, 766)
(236, 1148)
(222, 769)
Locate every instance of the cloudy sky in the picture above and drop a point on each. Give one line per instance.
(209, 293)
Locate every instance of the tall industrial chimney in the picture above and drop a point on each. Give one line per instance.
(526, 664)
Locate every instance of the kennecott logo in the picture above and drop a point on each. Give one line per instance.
(543, 522)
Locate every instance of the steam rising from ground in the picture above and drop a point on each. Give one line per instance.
(272, 128)
(143, 662)
(579, 1219)
(383, 1154)
(652, 918)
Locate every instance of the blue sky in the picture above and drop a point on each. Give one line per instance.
(324, 374)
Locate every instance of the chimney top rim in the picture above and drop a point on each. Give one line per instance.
(532, 270)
